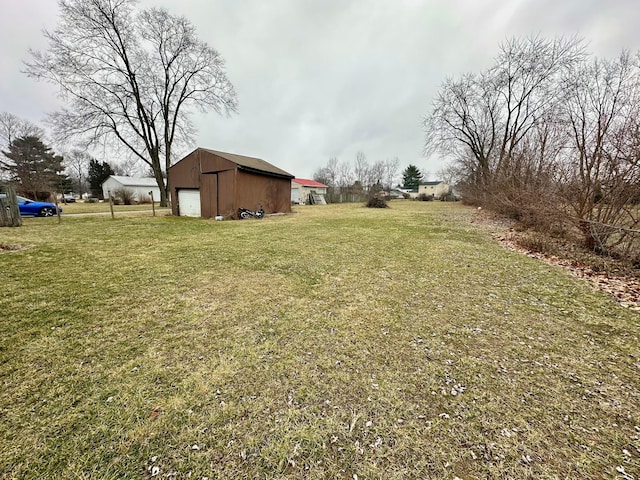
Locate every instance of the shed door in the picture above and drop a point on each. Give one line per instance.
(189, 203)
(295, 195)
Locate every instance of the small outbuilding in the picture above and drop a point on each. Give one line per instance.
(138, 186)
(433, 189)
(208, 183)
(303, 188)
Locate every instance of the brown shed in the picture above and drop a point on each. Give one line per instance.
(207, 183)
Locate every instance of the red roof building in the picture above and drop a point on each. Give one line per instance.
(304, 191)
(308, 183)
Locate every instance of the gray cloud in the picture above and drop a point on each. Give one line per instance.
(320, 79)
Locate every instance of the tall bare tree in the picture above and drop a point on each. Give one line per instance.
(133, 76)
(344, 174)
(603, 111)
(361, 169)
(390, 176)
(329, 174)
(463, 123)
(76, 163)
(482, 119)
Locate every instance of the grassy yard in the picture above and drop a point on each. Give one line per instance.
(338, 342)
(103, 207)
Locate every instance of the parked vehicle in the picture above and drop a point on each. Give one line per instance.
(36, 209)
(69, 198)
(245, 213)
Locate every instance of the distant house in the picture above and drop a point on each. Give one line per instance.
(301, 188)
(208, 183)
(412, 192)
(433, 189)
(395, 193)
(139, 186)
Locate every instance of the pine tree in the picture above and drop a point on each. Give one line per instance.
(98, 173)
(411, 177)
(33, 166)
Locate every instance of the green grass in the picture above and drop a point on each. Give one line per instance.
(335, 342)
(103, 207)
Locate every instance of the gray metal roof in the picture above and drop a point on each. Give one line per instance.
(135, 181)
(250, 163)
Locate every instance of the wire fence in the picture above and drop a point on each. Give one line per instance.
(615, 239)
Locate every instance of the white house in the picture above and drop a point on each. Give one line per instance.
(301, 188)
(433, 189)
(139, 186)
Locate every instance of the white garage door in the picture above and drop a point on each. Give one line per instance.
(189, 203)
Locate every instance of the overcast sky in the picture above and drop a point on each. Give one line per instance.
(327, 78)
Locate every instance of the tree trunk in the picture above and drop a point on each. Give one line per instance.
(589, 238)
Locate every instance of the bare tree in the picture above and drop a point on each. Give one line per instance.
(390, 176)
(376, 174)
(451, 174)
(482, 119)
(77, 165)
(322, 175)
(328, 174)
(603, 110)
(463, 123)
(526, 78)
(361, 169)
(132, 77)
(344, 175)
(12, 127)
(129, 168)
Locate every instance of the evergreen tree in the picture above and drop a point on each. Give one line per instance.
(33, 166)
(411, 177)
(98, 173)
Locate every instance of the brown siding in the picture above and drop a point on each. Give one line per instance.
(224, 188)
(208, 200)
(271, 193)
(226, 184)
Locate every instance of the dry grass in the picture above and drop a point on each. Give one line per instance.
(337, 342)
(103, 207)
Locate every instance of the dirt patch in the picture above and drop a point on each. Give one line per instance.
(608, 275)
(12, 248)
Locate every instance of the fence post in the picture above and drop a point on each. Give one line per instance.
(9, 212)
(111, 204)
(153, 205)
(55, 201)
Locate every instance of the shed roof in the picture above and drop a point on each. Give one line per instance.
(305, 182)
(250, 163)
(430, 184)
(134, 181)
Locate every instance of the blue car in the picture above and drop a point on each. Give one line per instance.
(36, 209)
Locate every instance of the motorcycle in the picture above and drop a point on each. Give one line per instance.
(246, 213)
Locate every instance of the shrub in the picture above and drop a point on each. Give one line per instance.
(449, 197)
(144, 199)
(423, 197)
(538, 242)
(376, 202)
(125, 195)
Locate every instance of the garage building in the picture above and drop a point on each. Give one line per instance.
(138, 186)
(207, 183)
